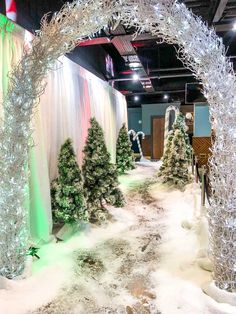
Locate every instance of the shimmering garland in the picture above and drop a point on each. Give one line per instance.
(200, 50)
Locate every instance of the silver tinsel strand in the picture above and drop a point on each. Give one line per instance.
(200, 50)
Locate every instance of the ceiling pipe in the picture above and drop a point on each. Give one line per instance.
(168, 69)
(157, 92)
(131, 79)
(176, 75)
(151, 77)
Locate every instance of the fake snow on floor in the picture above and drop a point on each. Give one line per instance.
(143, 262)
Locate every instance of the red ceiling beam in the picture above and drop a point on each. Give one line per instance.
(94, 41)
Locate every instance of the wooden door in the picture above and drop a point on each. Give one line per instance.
(158, 130)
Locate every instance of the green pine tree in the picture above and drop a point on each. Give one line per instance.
(68, 202)
(177, 164)
(124, 153)
(180, 124)
(166, 152)
(100, 175)
(177, 155)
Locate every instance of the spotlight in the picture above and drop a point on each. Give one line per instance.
(234, 27)
(135, 77)
(136, 98)
(166, 97)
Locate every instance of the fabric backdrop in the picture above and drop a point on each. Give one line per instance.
(72, 96)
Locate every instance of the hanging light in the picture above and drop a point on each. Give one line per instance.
(135, 77)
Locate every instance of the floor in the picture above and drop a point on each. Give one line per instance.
(143, 261)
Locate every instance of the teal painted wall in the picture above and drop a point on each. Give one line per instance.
(202, 125)
(153, 110)
(134, 119)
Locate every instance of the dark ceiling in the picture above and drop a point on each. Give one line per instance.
(160, 72)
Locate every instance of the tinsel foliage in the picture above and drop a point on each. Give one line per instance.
(124, 152)
(177, 155)
(100, 175)
(68, 201)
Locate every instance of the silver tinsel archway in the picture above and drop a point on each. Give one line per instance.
(199, 49)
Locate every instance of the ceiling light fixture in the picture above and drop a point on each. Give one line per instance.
(134, 65)
(135, 77)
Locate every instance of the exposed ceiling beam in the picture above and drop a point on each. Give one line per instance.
(120, 79)
(220, 10)
(95, 41)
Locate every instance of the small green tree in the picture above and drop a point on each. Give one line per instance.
(68, 202)
(166, 152)
(100, 175)
(176, 169)
(180, 124)
(177, 155)
(124, 153)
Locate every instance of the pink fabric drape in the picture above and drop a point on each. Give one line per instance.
(72, 96)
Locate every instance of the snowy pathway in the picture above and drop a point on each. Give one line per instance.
(144, 262)
(102, 270)
(113, 276)
(179, 279)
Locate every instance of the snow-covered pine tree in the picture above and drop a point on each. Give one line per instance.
(124, 153)
(176, 169)
(100, 175)
(177, 155)
(167, 151)
(180, 124)
(68, 202)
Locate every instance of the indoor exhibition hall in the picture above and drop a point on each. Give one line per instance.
(118, 157)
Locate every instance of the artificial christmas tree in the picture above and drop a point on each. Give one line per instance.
(166, 152)
(177, 163)
(177, 155)
(180, 124)
(100, 175)
(124, 153)
(68, 202)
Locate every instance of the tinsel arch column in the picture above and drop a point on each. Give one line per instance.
(74, 22)
(199, 49)
(203, 52)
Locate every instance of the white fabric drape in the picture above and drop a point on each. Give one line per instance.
(72, 96)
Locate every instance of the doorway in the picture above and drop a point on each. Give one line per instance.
(158, 130)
